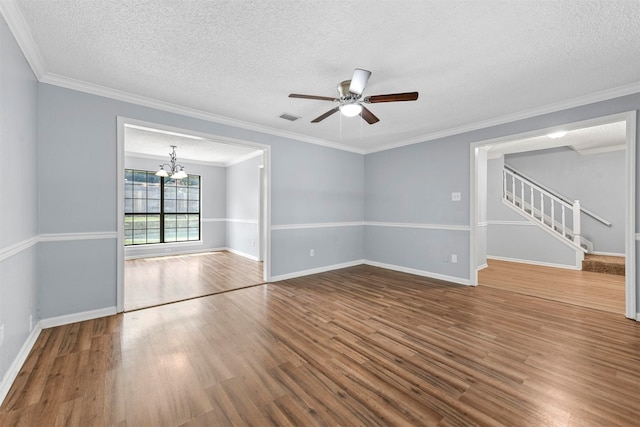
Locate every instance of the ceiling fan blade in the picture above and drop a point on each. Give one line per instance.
(359, 81)
(392, 97)
(321, 98)
(325, 115)
(369, 116)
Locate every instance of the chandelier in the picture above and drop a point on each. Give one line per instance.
(175, 170)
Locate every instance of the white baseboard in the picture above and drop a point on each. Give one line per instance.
(16, 365)
(528, 261)
(482, 266)
(77, 317)
(244, 254)
(423, 273)
(316, 270)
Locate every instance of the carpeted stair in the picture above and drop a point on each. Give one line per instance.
(603, 264)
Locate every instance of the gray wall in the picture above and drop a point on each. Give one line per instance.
(512, 237)
(19, 199)
(80, 129)
(597, 180)
(243, 199)
(412, 186)
(212, 208)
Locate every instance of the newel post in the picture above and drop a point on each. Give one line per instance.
(576, 222)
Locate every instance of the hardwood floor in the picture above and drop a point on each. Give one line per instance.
(154, 281)
(583, 288)
(361, 346)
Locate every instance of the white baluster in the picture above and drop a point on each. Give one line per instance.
(522, 194)
(504, 184)
(553, 215)
(576, 222)
(542, 207)
(513, 188)
(531, 191)
(564, 228)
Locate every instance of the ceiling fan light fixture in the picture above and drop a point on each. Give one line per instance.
(350, 110)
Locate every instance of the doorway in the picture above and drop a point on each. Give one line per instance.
(182, 237)
(478, 242)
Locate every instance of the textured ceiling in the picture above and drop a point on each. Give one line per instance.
(589, 140)
(474, 62)
(157, 144)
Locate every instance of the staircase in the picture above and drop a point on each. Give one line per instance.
(548, 211)
(604, 264)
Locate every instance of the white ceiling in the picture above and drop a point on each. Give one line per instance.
(589, 140)
(156, 144)
(474, 63)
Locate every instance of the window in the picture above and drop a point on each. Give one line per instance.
(160, 210)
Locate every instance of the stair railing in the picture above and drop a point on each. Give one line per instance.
(559, 196)
(542, 206)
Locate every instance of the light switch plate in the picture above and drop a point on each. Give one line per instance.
(456, 196)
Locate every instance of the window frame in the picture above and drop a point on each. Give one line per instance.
(162, 214)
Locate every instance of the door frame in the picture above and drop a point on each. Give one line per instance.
(264, 217)
(630, 118)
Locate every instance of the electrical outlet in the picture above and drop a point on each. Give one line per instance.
(454, 258)
(1, 335)
(312, 252)
(456, 196)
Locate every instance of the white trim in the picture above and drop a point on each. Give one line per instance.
(505, 222)
(606, 253)
(243, 254)
(66, 319)
(528, 261)
(12, 373)
(637, 236)
(82, 86)
(213, 220)
(316, 270)
(452, 279)
(604, 95)
(121, 122)
(317, 225)
(449, 227)
(631, 282)
(18, 247)
(20, 30)
(63, 237)
(483, 266)
(483, 224)
(630, 216)
(242, 221)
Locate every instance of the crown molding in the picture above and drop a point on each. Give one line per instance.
(20, 30)
(18, 27)
(580, 101)
(119, 95)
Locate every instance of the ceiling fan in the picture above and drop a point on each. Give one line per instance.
(351, 100)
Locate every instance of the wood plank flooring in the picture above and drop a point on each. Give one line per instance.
(361, 346)
(583, 288)
(160, 280)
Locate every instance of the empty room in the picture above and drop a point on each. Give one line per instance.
(230, 213)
